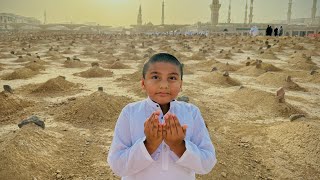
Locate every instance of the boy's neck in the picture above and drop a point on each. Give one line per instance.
(165, 108)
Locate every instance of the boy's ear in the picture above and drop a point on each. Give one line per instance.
(142, 84)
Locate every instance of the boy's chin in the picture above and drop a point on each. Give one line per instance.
(162, 101)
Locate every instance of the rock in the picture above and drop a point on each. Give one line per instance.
(247, 63)
(100, 89)
(258, 63)
(63, 77)
(32, 119)
(59, 176)
(8, 89)
(183, 98)
(76, 58)
(72, 98)
(12, 52)
(68, 58)
(241, 87)
(224, 174)
(296, 116)
(95, 64)
(313, 72)
(226, 74)
(288, 79)
(280, 94)
(214, 69)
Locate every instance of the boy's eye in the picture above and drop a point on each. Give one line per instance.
(154, 77)
(172, 78)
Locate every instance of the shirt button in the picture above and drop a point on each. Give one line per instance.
(165, 148)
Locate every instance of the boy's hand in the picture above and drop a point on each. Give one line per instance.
(153, 131)
(175, 134)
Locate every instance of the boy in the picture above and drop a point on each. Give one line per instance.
(159, 137)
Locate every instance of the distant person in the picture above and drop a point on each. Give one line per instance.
(275, 31)
(160, 137)
(254, 31)
(270, 31)
(267, 31)
(280, 31)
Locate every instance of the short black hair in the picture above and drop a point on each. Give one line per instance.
(162, 57)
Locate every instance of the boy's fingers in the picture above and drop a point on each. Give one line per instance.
(179, 131)
(176, 121)
(147, 126)
(164, 131)
(173, 126)
(155, 122)
(158, 130)
(152, 121)
(177, 124)
(169, 130)
(157, 112)
(184, 128)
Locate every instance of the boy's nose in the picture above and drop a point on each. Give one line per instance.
(164, 84)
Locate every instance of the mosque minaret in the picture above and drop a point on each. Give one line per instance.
(162, 17)
(314, 11)
(251, 12)
(215, 7)
(289, 12)
(139, 19)
(246, 13)
(229, 12)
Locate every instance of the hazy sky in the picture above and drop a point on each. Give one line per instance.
(124, 12)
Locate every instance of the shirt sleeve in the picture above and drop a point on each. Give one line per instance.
(200, 154)
(126, 157)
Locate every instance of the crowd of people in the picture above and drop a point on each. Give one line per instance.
(276, 31)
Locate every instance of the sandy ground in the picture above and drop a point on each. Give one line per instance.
(251, 131)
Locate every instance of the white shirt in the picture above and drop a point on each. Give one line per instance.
(129, 158)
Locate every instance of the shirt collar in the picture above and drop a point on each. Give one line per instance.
(156, 105)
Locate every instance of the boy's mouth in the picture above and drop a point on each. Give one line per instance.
(163, 93)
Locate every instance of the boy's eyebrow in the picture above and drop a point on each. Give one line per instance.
(173, 73)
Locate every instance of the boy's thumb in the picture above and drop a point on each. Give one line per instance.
(184, 127)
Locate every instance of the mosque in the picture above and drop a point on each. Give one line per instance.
(293, 27)
(12, 18)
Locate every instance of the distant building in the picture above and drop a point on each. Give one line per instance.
(12, 18)
(139, 18)
(301, 21)
(215, 7)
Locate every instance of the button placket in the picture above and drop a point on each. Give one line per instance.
(165, 156)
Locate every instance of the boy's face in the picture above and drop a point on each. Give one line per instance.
(162, 82)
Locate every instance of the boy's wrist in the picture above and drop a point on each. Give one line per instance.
(149, 146)
(179, 148)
